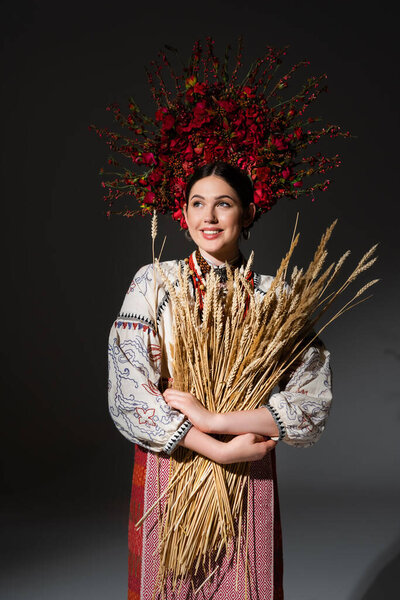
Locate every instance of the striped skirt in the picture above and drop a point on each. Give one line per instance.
(264, 539)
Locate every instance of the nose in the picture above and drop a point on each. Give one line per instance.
(210, 215)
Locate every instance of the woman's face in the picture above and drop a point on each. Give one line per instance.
(215, 218)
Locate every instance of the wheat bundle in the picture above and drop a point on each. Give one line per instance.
(230, 356)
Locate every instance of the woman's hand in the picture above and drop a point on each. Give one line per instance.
(246, 447)
(188, 404)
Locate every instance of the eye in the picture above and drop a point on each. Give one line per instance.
(224, 203)
(196, 203)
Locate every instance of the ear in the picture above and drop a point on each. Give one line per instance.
(184, 209)
(249, 215)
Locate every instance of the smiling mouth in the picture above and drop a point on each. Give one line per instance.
(211, 233)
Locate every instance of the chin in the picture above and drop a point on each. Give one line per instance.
(211, 246)
(217, 247)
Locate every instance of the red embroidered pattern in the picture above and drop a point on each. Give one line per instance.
(264, 547)
(145, 416)
(199, 281)
(135, 536)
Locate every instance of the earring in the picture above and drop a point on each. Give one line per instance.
(187, 235)
(246, 233)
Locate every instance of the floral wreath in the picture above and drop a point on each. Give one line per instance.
(208, 115)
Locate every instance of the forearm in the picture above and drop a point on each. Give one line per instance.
(259, 421)
(241, 448)
(203, 444)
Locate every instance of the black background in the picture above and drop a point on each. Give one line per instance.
(65, 469)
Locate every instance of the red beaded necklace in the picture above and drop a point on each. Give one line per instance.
(198, 274)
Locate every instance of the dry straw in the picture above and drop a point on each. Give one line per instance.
(230, 356)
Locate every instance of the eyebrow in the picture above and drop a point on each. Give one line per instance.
(216, 197)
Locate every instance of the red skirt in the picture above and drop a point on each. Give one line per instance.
(265, 567)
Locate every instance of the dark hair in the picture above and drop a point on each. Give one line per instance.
(235, 177)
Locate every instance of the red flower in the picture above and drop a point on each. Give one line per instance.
(201, 115)
(178, 215)
(209, 153)
(200, 108)
(188, 153)
(168, 122)
(149, 198)
(263, 173)
(286, 172)
(180, 184)
(262, 195)
(155, 177)
(243, 163)
(190, 95)
(248, 91)
(147, 158)
(200, 88)
(298, 132)
(187, 168)
(238, 122)
(280, 143)
(167, 119)
(252, 112)
(160, 113)
(227, 105)
(297, 184)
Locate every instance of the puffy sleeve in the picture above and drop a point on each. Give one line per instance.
(301, 407)
(136, 404)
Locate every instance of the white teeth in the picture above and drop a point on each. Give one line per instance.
(210, 232)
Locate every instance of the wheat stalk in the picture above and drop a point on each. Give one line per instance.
(237, 351)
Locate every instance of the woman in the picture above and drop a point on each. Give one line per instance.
(219, 208)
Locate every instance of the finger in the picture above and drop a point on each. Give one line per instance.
(169, 394)
(270, 445)
(174, 391)
(169, 399)
(266, 446)
(181, 394)
(175, 401)
(174, 404)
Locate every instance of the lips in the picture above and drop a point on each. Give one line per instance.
(211, 234)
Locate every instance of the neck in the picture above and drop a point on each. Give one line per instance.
(217, 261)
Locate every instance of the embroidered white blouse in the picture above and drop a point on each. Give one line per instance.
(139, 356)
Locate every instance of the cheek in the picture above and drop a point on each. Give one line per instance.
(191, 219)
(188, 214)
(235, 221)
